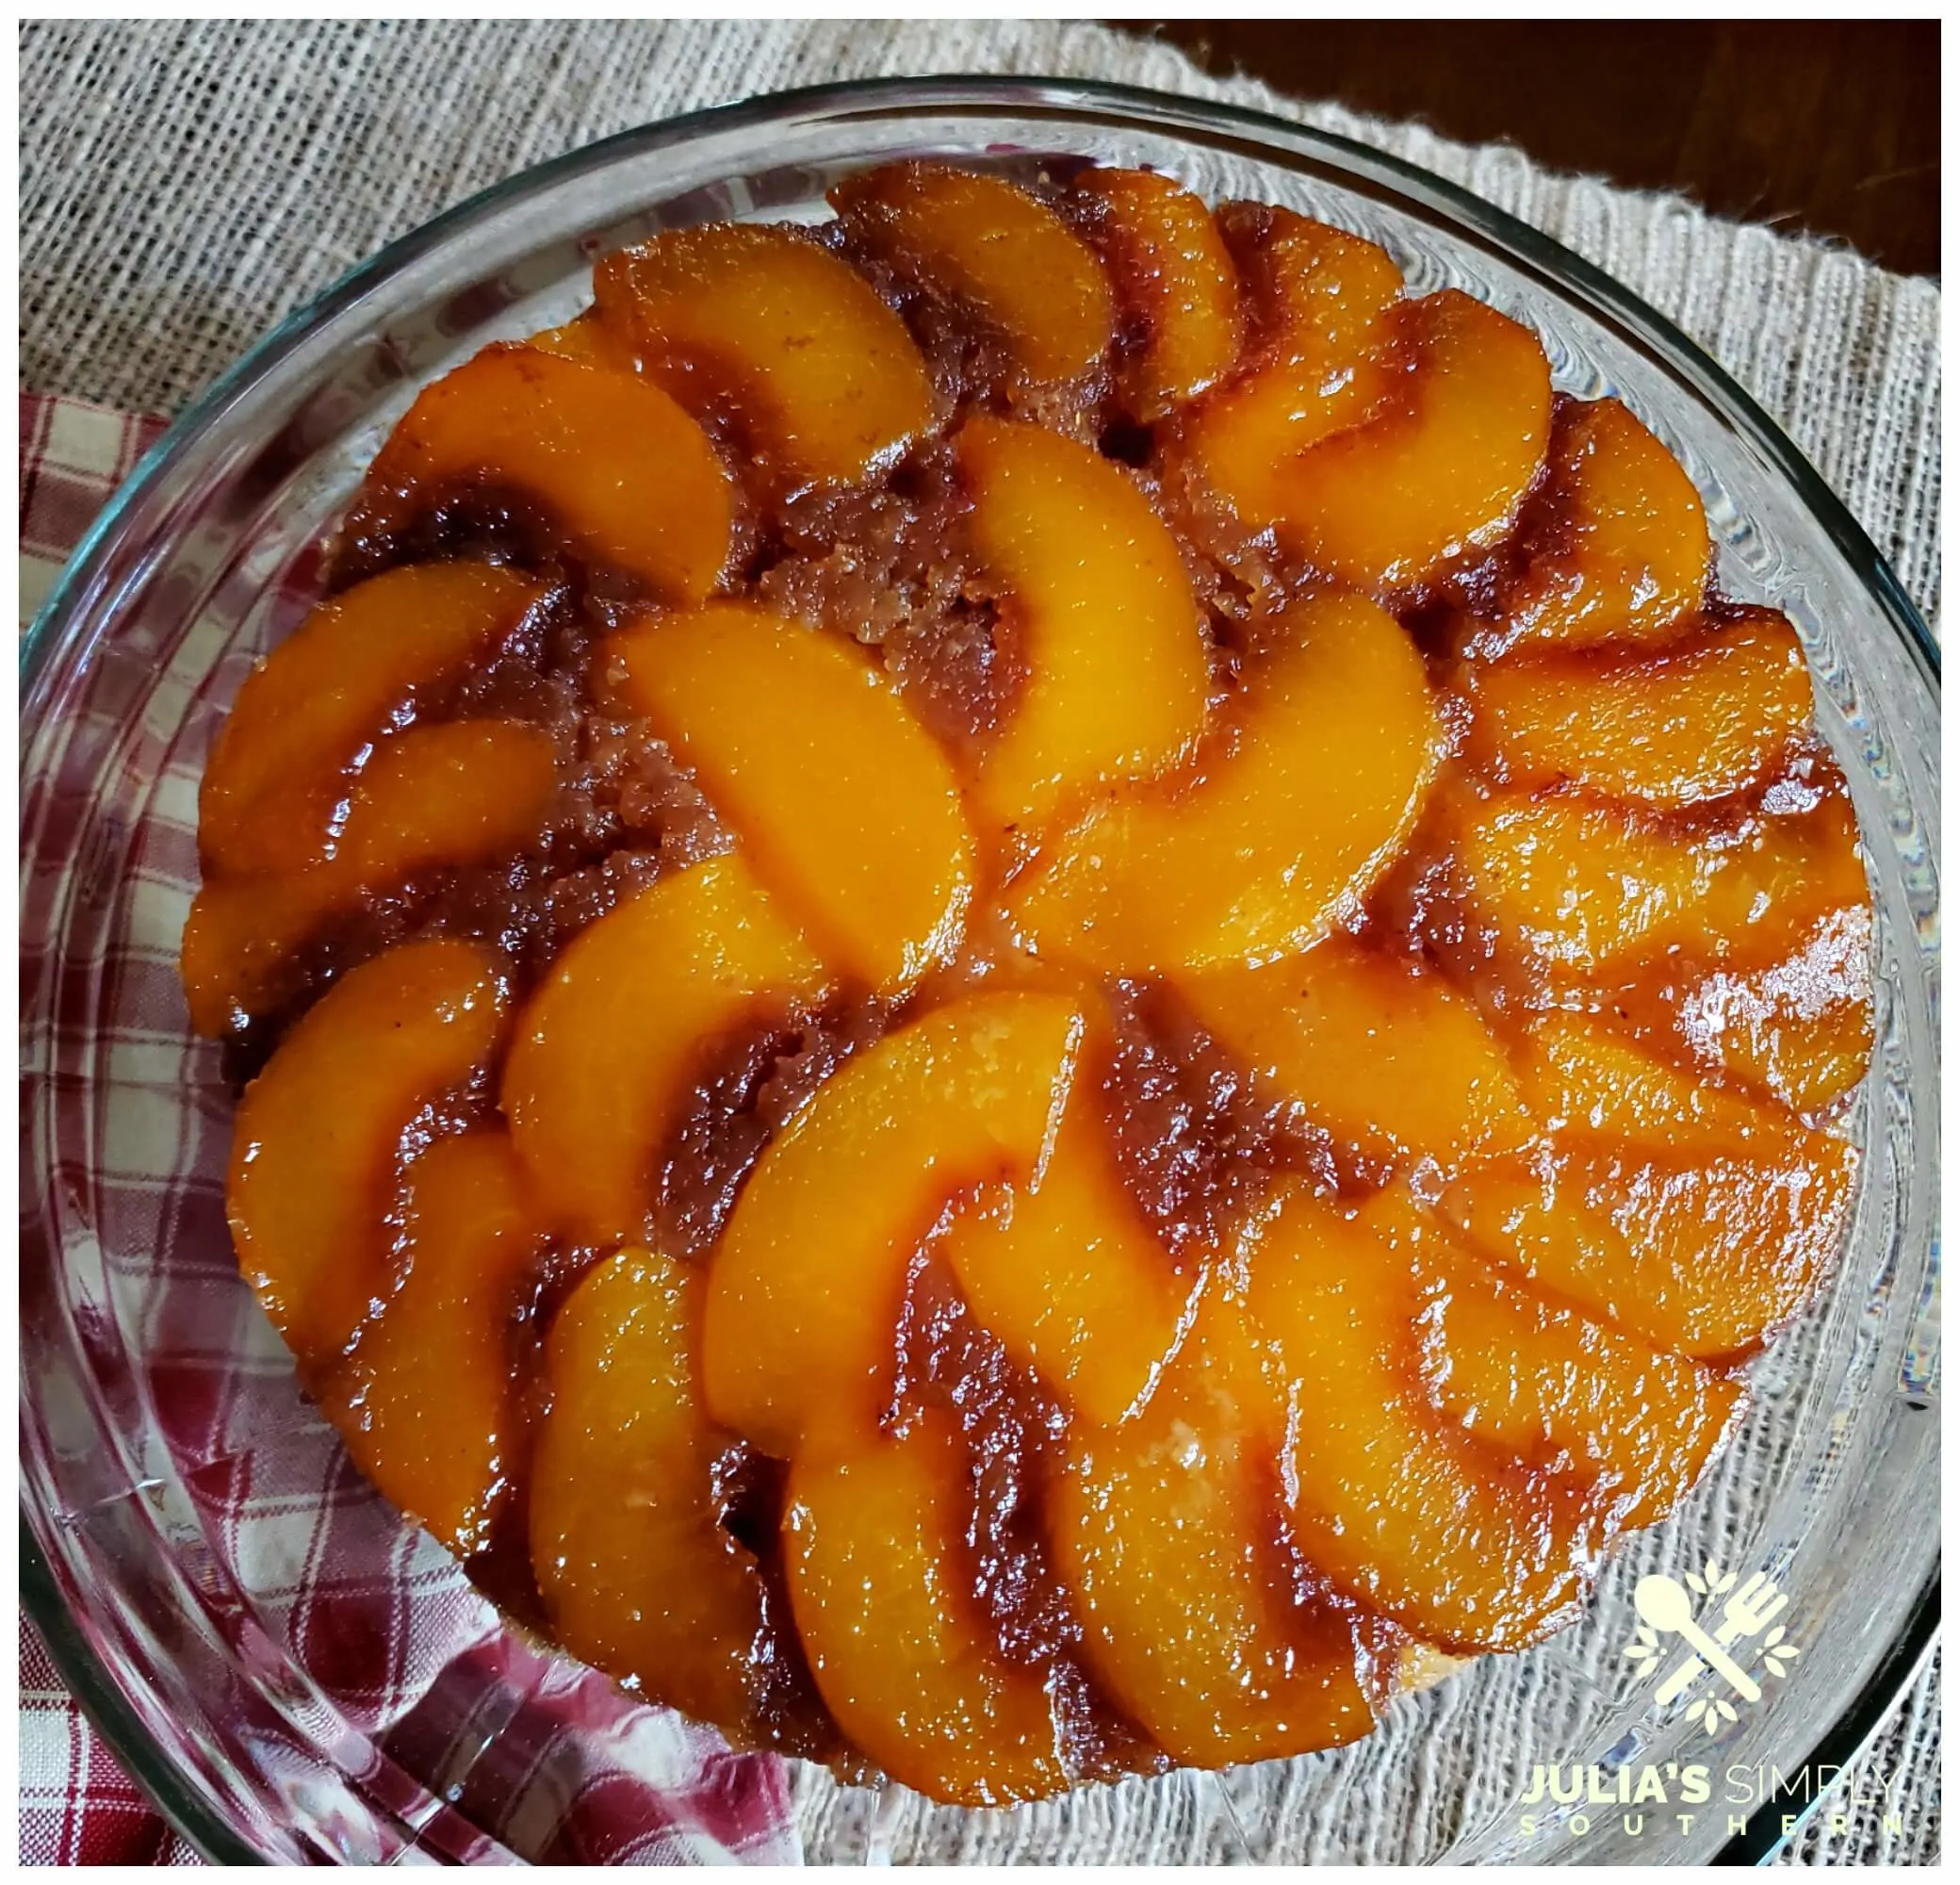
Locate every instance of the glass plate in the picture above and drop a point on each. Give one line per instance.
(298, 1674)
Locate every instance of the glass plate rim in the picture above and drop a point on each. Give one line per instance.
(1858, 1723)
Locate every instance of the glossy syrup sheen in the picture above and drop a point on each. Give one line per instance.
(1095, 1003)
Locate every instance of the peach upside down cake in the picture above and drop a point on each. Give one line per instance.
(1030, 982)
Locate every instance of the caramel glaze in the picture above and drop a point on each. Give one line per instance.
(1199, 1143)
(1014, 1432)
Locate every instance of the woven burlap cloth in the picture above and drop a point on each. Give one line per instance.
(186, 183)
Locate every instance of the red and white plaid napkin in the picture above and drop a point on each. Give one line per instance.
(77, 1807)
(73, 457)
(408, 1661)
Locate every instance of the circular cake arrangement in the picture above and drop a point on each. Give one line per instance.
(1030, 987)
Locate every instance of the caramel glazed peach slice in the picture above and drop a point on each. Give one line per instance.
(1004, 261)
(1117, 672)
(326, 783)
(763, 321)
(1337, 742)
(1379, 439)
(630, 478)
(318, 1142)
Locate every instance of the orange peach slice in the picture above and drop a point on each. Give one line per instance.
(1588, 886)
(821, 371)
(1322, 301)
(1317, 293)
(1706, 1255)
(448, 794)
(1524, 1373)
(905, 1658)
(1811, 1062)
(1165, 1533)
(1538, 1379)
(1588, 1079)
(1338, 742)
(604, 1050)
(809, 1277)
(1174, 281)
(1070, 1279)
(276, 789)
(1381, 1053)
(638, 1575)
(1117, 669)
(1798, 1030)
(317, 1146)
(1442, 473)
(994, 249)
(451, 794)
(588, 340)
(1711, 717)
(239, 953)
(1462, 1551)
(628, 473)
(1633, 556)
(443, 1342)
(845, 804)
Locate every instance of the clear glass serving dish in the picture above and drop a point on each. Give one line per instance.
(296, 1673)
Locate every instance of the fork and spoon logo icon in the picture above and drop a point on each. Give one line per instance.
(1667, 1608)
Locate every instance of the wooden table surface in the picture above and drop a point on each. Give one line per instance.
(1827, 125)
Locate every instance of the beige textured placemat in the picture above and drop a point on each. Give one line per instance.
(185, 184)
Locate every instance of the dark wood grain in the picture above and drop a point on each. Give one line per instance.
(1830, 126)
